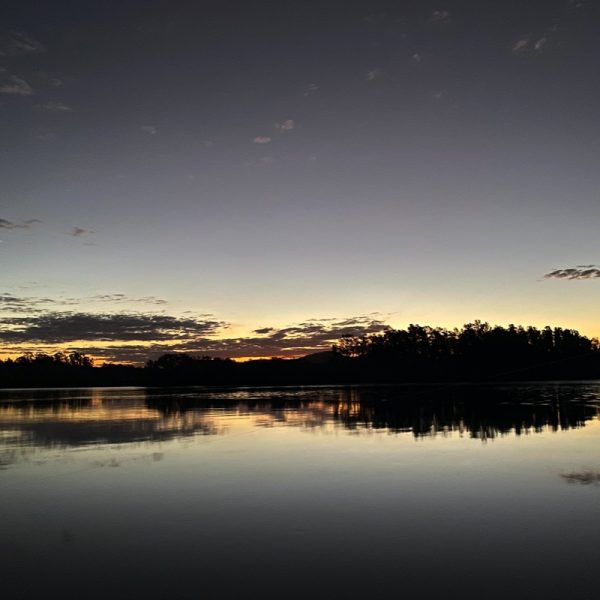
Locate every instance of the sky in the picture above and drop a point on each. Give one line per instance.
(251, 179)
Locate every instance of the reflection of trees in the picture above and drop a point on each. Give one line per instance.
(482, 412)
(437, 417)
(70, 418)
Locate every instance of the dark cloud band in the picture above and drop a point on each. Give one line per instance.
(6, 224)
(138, 337)
(61, 328)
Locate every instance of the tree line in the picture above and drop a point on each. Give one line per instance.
(476, 352)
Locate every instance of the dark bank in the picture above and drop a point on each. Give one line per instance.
(475, 353)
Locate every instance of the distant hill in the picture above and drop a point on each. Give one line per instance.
(320, 358)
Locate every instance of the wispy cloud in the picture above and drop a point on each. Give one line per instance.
(440, 15)
(46, 137)
(521, 45)
(261, 139)
(80, 231)
(6, 224)
(376, 18)
(18, 42)
(55, 107)
(310, 89)
(16, 86)
(23, 304)
(149, 129)
(286, 125)
(417, 58)
(575, 273)
(123, 298)
(373, 74)
(530, 44)
(11, 303)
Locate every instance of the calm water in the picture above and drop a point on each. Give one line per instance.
(463, 492)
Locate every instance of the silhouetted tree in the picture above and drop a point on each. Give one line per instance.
(478, 351)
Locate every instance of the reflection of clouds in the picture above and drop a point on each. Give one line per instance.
(117, 462)
(582, 478)
(95, 419)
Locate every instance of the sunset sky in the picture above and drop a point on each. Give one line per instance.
(258, 178)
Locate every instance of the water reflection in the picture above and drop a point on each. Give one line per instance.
(66, 418)
(582, 478)
(300, 492)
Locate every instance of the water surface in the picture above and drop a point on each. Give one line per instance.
(315, 492)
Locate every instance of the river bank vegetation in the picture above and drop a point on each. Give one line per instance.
(477, 352)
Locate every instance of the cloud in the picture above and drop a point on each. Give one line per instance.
(440, 15)
(80, 231)
(376, 18)
(261, 139)
(19, 42)
(124, 298)
(157, 334)
(579, 272)
(65, 327)
(374, 74)
(32, 304)
(6, 224)
(296, 340)
(46, 137)
(521, 45)
(22, 304)
(16, 87)
(149, 129)
(417, 58)
(286, 125)
(55, 107)
(264, 330)
(525, 44)
(266, 161)
(310, 89)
